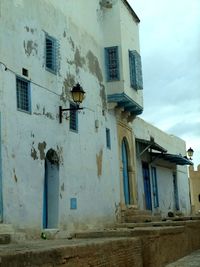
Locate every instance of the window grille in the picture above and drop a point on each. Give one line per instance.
(135, 67)
(108, 142)
(73, 124)
(112, 63)
(23, 94)
(52, 52)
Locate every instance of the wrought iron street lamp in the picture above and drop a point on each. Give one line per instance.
(77, 93)
(190, 152)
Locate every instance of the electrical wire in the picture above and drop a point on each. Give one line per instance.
(31, 81)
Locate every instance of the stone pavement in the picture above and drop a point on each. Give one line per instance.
(192, 260)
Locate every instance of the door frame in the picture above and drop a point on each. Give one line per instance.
(125, 171)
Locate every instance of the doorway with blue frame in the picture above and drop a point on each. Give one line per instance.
(147, 185)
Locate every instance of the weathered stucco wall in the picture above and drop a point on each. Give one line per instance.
(26, 138)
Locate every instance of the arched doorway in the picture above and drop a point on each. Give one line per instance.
(51, 190)
(126, 180)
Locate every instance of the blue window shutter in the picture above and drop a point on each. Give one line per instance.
(52, 54)
(112, 63)
(132, 70)
(135, 66)
(73, 123)
(108, 142)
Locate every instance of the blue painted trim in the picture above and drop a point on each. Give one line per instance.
(73, 203)
(126, 102)
(1, 189)
(126, 184)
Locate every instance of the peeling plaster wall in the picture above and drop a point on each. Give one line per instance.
(174, 145)
(27, 137)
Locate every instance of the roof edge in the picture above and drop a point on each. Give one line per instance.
(131, 10)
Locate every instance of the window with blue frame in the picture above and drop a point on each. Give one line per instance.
(108, 142)
(23, 95)
(73, 119)
(51, 54)
(135, 67)
(112, 63)
(155, 187)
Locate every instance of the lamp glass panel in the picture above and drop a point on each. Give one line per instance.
(190, 152)
(77, 96)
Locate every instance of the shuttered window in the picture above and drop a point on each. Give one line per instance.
(73, 123)
(23, 94)
(108, 142)
(112, 63)
(135, 67)
(52, 49)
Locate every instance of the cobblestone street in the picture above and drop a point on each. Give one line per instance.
(192, 260)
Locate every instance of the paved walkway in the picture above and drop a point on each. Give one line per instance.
(192, 260)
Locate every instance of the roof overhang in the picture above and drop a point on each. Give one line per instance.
(125, 102)
(172, 158)
(151, 144)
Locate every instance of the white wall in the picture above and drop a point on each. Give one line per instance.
(28, 137)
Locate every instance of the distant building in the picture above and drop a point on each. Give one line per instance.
(82, 172)
(195, 189)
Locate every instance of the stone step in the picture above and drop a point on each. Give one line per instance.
(125, 232)
(141, 218)
(132, 211)
(150, 224)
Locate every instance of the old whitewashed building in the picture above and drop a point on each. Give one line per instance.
(64, 169)
(163, 184)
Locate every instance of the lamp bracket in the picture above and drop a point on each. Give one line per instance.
(61, 110)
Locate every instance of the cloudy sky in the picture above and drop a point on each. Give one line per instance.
(170, 50)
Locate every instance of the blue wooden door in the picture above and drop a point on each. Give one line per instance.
(51, 191)
(147, 185)
(125, 173)
(1, 198)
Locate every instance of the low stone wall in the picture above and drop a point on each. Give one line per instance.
(99, 253)
(137, 247)
(165, 245)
